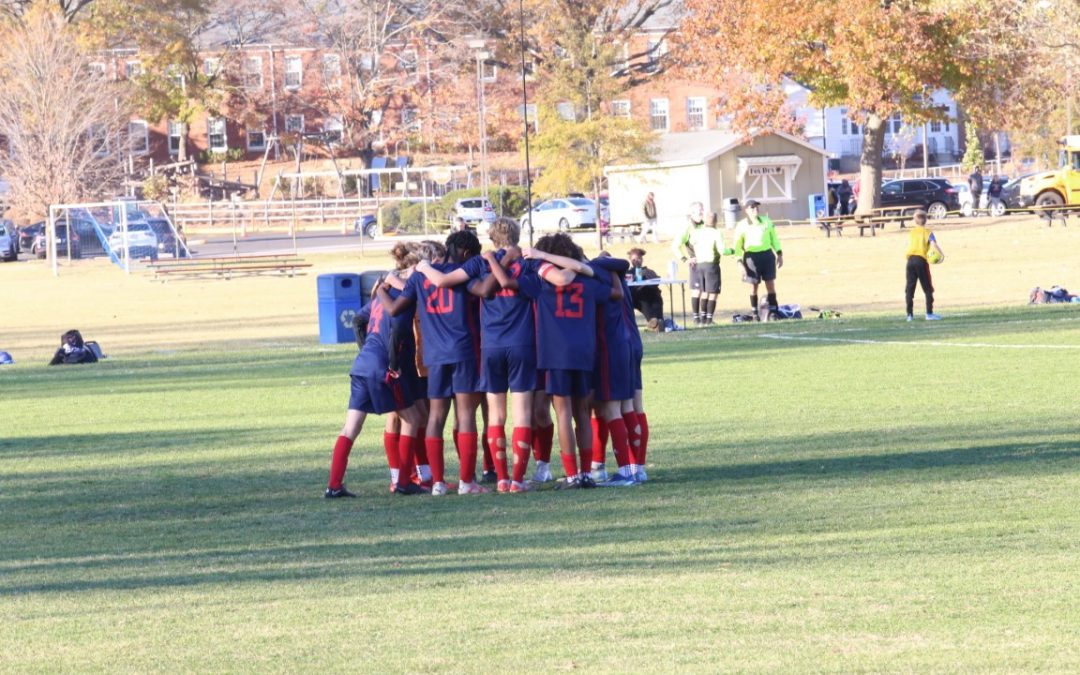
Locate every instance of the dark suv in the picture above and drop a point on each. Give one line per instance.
(936, 195)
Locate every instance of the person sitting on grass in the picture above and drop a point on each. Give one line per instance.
(73, 350)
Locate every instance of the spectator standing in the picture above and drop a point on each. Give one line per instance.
(648, 226)
(459, 225)
(920, 239)
(994, 192)
(833, 198)
(843, 196)
(758, 247)
(975, 184)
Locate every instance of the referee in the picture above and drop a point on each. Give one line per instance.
(758, 247)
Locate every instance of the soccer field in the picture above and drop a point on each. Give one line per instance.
(857, 494)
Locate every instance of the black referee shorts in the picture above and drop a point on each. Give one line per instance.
(763, 262)
(708, 277)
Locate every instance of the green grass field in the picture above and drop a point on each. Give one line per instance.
(860, 494)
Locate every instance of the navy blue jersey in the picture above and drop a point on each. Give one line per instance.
(506, 319)
(613, 349)
(374, 357)
(566, 322)
(448, 319)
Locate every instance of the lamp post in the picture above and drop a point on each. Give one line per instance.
(478, 46)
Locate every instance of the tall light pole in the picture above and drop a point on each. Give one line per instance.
(525, 117)
(478, 45)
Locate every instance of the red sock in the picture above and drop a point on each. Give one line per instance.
(496, 440)
(339, 462)
(435, 458)
(467, 442)
(633, 436)
(569, 464)
(390, 445)
(543, 440)
(599, 439)
(405, 462)
(485, 444)
(522, 436)
(643, 422)
(419, 450)
(620, 441)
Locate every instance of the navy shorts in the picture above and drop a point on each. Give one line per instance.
(635, 361)
(568, 382)
(763, 263)
(508, 368)
(613, 378)
(447, 379)
(370, 394)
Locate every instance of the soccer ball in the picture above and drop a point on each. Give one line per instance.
(934, 257)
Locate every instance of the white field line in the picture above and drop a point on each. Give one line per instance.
(920, 343)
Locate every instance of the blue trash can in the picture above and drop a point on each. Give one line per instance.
(367, 284)
(818, 207)
(339, 301)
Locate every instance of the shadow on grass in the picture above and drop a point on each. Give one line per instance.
(188, 523)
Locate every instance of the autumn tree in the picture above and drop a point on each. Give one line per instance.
(876, 58)
(64, 124)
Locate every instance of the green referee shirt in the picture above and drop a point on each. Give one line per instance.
(759, 235)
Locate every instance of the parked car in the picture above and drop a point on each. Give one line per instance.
(9, 241)
(166, 236)
(40, 246)
(1010, 194)
(475, 209)
(367, 225)
(938, 196)
(27, 234)
(141, 241)
(561, 215)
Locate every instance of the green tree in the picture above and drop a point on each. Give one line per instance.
(973, 152)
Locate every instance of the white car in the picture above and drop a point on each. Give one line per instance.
(559, 215)
(474, 209)
(141, 241)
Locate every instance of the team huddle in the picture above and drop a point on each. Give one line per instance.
(531, 330)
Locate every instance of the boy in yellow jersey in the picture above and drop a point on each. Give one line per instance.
(708, 245)
(920, 239)
(758, 249)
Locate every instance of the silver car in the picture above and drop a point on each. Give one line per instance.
(9, 241)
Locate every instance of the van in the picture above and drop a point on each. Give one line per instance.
(474, 209)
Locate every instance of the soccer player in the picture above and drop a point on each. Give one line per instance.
(566, 342)
(758, 249)
(377, 387)
(451, 341)
(920, 239)
(508, 346)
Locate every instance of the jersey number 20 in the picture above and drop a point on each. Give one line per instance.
(441, 301)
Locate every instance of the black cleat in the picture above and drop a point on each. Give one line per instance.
(586, 481)
(410, 488)
(489, 477)
(337, 493)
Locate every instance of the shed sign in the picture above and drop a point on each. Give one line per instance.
(764, 170)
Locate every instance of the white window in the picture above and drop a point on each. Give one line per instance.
(253, 73)
(376, 118)
(367, 62)
(768, 179)
(565, 110)
(894, 124)
(331, 70)
(294, 124)
(622, 58)
(217, 134)
(132, 69)
(138, 137)
(656, 51)
(256, 139)
(175, 76)
(489, 71)
(847, 127)
(333, 127)
(176, 135)
(620, 108)
(695, 113)
(294, 72)
(96, 70)
(528, 113)
(211, 66)
(658, 114)
(935, 126)
(408, 61)
(410, 120)
(99, 140)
